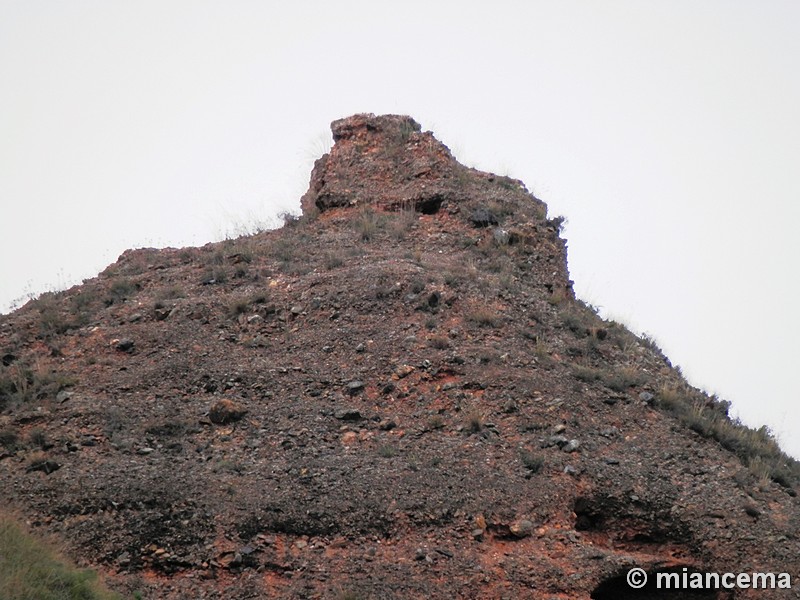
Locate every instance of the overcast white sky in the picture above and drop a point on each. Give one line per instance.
(668, 134)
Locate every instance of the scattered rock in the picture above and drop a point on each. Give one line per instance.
(46, 466)
(348, 414)
(355, 387)
(572, 446)
(63, 396)
(482, 217)
(521, 529)
(226, 411)
(555, 440)
(501, 237)
(403, 371)
(123, 345)
(647, 397)
(752, 510)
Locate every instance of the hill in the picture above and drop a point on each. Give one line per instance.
(395, 395)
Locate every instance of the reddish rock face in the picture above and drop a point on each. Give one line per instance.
(388, 162)
(383, 161)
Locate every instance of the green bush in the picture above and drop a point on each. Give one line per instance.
(30, 570)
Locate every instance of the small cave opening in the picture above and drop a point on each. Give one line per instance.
(429, 205)
(677, 583)
(590, 514)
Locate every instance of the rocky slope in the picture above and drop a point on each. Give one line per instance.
(396, 395)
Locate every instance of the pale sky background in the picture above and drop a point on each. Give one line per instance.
(668, 134)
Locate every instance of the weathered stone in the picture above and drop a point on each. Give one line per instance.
(46, 466)
(348, 414)
(123, 345)
(402, 371)
(354, 387)
(482, 217)
(521, 529)
(401, 156)
(556, 440)
(226, 411)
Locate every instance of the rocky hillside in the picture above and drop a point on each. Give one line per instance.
(396, 395)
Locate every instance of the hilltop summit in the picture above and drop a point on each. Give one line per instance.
(388, 162)
(395, 395)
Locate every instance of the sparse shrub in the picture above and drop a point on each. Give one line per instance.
(212, 276)
(485, 317)
(557, 223)
(417, 285)
(217, 257)
(542, 352)
(82, 304)
(121, 290)
(228, 466)
(440, 342)
(509, 184)
(532, 462)
(237, 307)
(38, 438)
(333, 261)
(289, 219)
(406, 130)
(453, 278)
(435, 422)
(586, 374)
(650, 343)
(20, 383)
(473, 421)
(485, 357)
(575, 322)
(368, 223)
(9, 439)
(557, 297)
(756, 448)
(170, 293)
(402, 222)
(52, 321)
(387, 451)
(622, 379)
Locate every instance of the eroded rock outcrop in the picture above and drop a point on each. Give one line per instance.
(388, 162)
